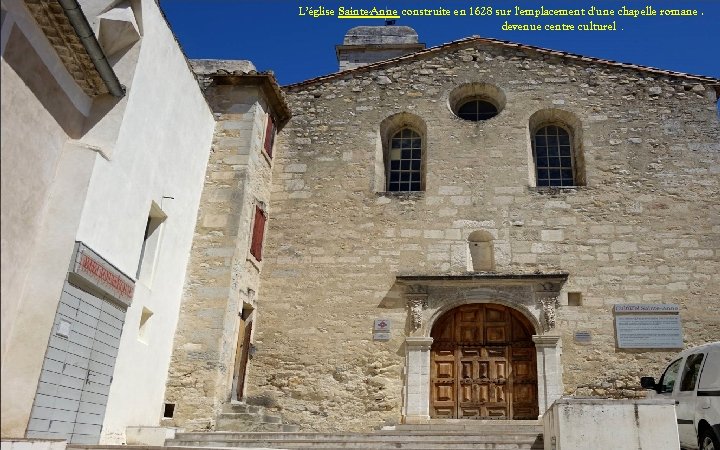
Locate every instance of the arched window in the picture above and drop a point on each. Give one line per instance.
(553, 155)
(476, 102)
(405, 162)
(400, 154)
(477, 110)
(555, 149)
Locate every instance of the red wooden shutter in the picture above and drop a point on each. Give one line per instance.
(258, 234)
(269, 136)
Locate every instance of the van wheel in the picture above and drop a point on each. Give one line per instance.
(708, 440)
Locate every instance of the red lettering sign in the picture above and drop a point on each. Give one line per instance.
(99, 272)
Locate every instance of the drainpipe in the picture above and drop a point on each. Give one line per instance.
(92, 46)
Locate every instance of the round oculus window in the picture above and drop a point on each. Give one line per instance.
(477, 110)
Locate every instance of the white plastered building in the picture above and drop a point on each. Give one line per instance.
(105, 142)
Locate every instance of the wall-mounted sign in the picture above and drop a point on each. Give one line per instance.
(648, 331)
(381, 330)
(92, 269)
(379, 336)
(382, 325)
(647, 308)
(582, 337)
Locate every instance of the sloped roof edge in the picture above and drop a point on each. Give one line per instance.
(468, 41)
(268, 84)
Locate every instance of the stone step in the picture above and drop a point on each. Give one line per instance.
(503, 429)
(262, 445)
(249, 417)
(425, 442)
(480, 425)
(424, 445)
(236, 426)
(242, 408)
(408, 446)
(379, 435)
(241, 417)
(397, 439)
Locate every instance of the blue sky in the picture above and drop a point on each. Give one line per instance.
(274, 36)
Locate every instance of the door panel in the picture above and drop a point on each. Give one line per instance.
(685, 397)
(443, 383)
(483, 365)
(77, 372)
(242, 354)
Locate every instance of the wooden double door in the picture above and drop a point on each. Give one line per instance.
(483, 365)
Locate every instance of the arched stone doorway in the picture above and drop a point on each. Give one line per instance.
(531, 299)
(483, 364)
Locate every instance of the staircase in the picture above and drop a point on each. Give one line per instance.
(249, 418)
(458, 435)
(437, 435)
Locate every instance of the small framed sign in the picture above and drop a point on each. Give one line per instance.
(380, 336)
(583, 337)
(382, 325)
(381, 330)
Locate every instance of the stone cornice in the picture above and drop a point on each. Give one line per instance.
(531, 49)
(550, 282)
(267, 83)
(56, 26)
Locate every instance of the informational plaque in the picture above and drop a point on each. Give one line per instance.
(647, 308)
(378, 336)
(381, 330)
(583, 337)
(648, 331)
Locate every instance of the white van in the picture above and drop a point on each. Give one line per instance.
(693, 380)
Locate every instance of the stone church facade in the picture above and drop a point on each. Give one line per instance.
(425, 234)
(442, 223)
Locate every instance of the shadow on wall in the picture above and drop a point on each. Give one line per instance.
(27, 64)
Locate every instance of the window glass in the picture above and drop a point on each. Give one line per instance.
(691, 371)
(553, 157)
(405, 168)
(667, 382)
(477, 110)
(710, 376)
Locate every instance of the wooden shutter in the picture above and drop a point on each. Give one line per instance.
(258, 234)
(269, 136)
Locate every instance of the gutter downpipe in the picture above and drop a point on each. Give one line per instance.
(92, 46)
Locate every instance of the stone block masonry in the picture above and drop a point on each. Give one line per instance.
(222, 276)
(644, 227)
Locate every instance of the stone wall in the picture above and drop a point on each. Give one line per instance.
(643, 229)
(222, 275)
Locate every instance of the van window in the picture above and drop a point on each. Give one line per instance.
(691, 371)
(710, 376)
(667, 382)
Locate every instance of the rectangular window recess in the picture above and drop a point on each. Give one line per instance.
(144, 329)
(169, 410)
(150, 245)
(269, 136)
(574, 299)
